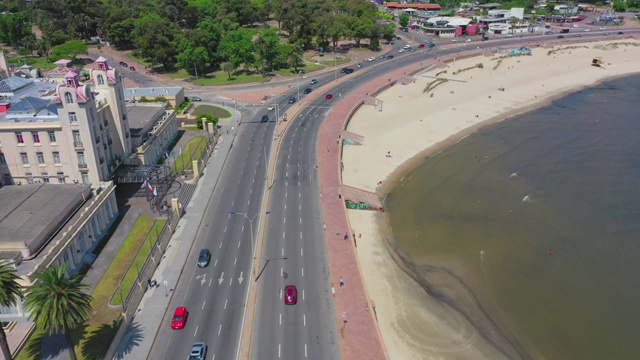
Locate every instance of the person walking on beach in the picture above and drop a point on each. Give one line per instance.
(341, 282)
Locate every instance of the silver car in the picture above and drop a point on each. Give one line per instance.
(198, 351)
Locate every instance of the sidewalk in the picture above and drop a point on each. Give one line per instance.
(139, 338)
(353, 311)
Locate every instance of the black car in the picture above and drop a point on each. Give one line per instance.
(343, 70)
(292, 100)
(348, 71)
(620, 33)
(265, 118)
(307, 90)
(390, 57)
(562, 37)
(204, 258)
(485, 38)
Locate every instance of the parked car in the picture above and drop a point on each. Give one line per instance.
(602, 28)
(198, 351)
(373, 58)
(290, 295)
(549, 32)
(265, 118)
(407, 46)
(132, 68)
(292, 100)
(179, 318)
(578, 35)
(307, 90)
(485, 38)
(390, 57)
(122, 63)
(620, 33)
(468, 40)
(195, 98)
(509, 35)
(401, 50)
(454, 40)
(420, 46)
(431, 45)
(328, 97)
(204, 258)
(562, 37)
(313, 81)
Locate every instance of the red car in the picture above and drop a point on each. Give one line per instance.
(421, 46)
(179, 318)
(290, 295)
(329, 97)
(132, 68)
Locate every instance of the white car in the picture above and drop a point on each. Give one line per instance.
(271, 108)
(576, 25)
(468, 40)
(373, 58)
(454, 40)
(509, 35)
(401, 50)
(587, 30)
(407, 46)
(603, 28)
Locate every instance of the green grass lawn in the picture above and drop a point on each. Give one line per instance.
(341, 60)
(35, 61)
(210, 109)
(307, 68)
(191, 128)
(191, 151)
(221, 78)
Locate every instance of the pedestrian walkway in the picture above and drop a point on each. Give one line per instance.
(353, 311)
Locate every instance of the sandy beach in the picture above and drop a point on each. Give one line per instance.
(444, 104)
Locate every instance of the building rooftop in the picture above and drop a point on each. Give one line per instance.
(30, 215)
(151, 92)
(142, 116)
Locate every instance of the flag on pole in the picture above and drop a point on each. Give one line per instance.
(180, 149)
(166, 153)
(144, 184)
(155, 191)
(149, 188)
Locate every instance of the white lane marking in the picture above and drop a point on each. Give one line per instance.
(239, 242)
(230, 281)
(299, 195)
(219, 329)
(220, 244)
(251, 191)
(210, 281)
(283, 234)
(279, 348)
(284, 220)
(215, 263)
(301, 252)
(195, 332)
(204, 304)
(225, 303)
(229, 215)
(300, 220)
(299, 207)
(305, 351)
(280, 321)
(242, 228)
(225, 229)
(285, 206)
(300, 234)
(249, 202)
(235, 261)
(304, 320)
(281, 272)
(221, 278)
(302, 271)
(302, 294)
(285, 194)
(298, 183)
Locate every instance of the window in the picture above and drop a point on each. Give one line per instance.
(81, 159)
(85, 178)
(20, 138)
(73, 118)
(29, 177)
(56, 158)
(77, 142)
(7, 179)
(3, 161)
(45, 177)
(100, 80)
(24, 158)
(35, 136)
(60, 176)
(52, 136)
(40, 157)
(68, 98)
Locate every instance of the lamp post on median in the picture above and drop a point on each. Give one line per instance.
(335, 67)
(253, 245)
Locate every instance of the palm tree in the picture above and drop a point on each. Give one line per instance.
(58, 303)
(9, 292)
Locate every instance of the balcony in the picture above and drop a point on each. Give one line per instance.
(109, 141)
(82, 165)
(101, 160)
(78, 145)
(106, 123)
(97, 139)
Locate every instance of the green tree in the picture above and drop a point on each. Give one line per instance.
(194, 59)
(619, 6)
(10, 290)
(237, 48)
(361, 28)
(228, 67)
(403, 20)
(265, 45)
(58, 303)
(154, 39)
(43, 47)
(389, 32)
(14, 28)
(208, 118)
(71, 48)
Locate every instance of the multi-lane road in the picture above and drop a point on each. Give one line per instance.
(294, 249)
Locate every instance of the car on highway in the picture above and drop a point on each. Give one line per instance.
(359, 65)
(204, 258)
(343, 70)
(313, 81)
(290, 295)
(122, 63)
(265, 118)
(620, 33)
(454, 40)
(431, 45)
(401, 50)
(562, 37)
(348, 71)
(179, 318)
(271, 108)
(549, 32)
(578, 35)
(328, 97)
(485, 38)
(373, 58)
(390, 57)
(195, 98)
(468, 40)
(292, 100)
(407, 46)
(602, 28)
(586, 30)
(132, 68)
(420, 46)
(307, 91)
(198, 351)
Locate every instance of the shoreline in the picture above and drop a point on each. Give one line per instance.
(447, 321)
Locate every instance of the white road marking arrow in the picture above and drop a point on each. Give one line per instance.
(240, 278)
(221, 278)
(203, 279)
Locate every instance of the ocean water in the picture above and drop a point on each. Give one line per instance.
(539, 216)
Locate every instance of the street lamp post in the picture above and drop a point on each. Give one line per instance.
(298, 84)
(250, 219)
(335, 67)
(121, 298)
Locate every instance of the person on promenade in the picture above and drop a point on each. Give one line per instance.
(341, 282)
